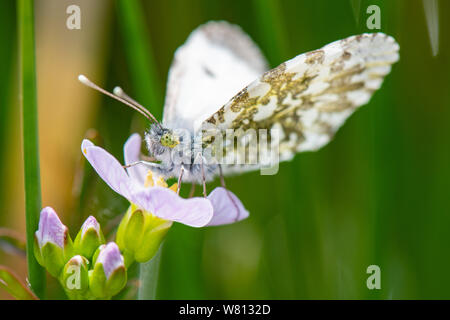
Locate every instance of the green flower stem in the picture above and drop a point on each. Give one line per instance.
(149, 277)
(25, 19)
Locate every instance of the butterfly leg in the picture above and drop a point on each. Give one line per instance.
(146, 163)
(156, 168)
(203, 176)
(191, 193)
(179, 180)
(222, 182)
(222, 179)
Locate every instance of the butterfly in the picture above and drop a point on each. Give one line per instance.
(218, 82)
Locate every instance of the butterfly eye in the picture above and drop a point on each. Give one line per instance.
(168, 140)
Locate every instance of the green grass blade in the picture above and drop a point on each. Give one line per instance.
(25, 20)
(139, 55)
(356, 8)
(432, 15)
(7, 88)
(145, 83)
(268, 14)
(11, 283)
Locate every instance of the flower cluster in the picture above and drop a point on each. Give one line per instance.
(87, 268)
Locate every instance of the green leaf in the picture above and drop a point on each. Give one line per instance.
(11, 283)
(11, 239)
(25, 18)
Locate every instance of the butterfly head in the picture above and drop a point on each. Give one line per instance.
(169, 139)
(160, 141)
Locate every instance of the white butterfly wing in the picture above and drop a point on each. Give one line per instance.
(216, 62)
(309, 97)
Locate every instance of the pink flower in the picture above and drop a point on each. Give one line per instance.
(220, 207)
(111, 259)
(51, 229)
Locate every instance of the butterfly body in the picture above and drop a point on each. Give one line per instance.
(183, 155)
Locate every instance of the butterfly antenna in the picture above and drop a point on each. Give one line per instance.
(92, 85)
(121, 94)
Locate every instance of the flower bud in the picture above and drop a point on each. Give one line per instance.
(75, 278)
(89, 238)
(52, 245)
(109, 274)
(140, 234)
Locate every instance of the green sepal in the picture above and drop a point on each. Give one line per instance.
(97, 282)
(117, 281)
(96, 253)
(37, 252)
(103, 288)
(155, 232)
(53, 257)
(140, 235)
(133, 231)
(128, 257)
(120, 236)
(86, 245)
(75, 277)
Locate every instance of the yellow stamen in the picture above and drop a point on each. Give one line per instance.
(161, 183)
(174, 187)
(149, 180)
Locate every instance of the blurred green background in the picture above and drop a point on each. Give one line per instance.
(377, 194)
